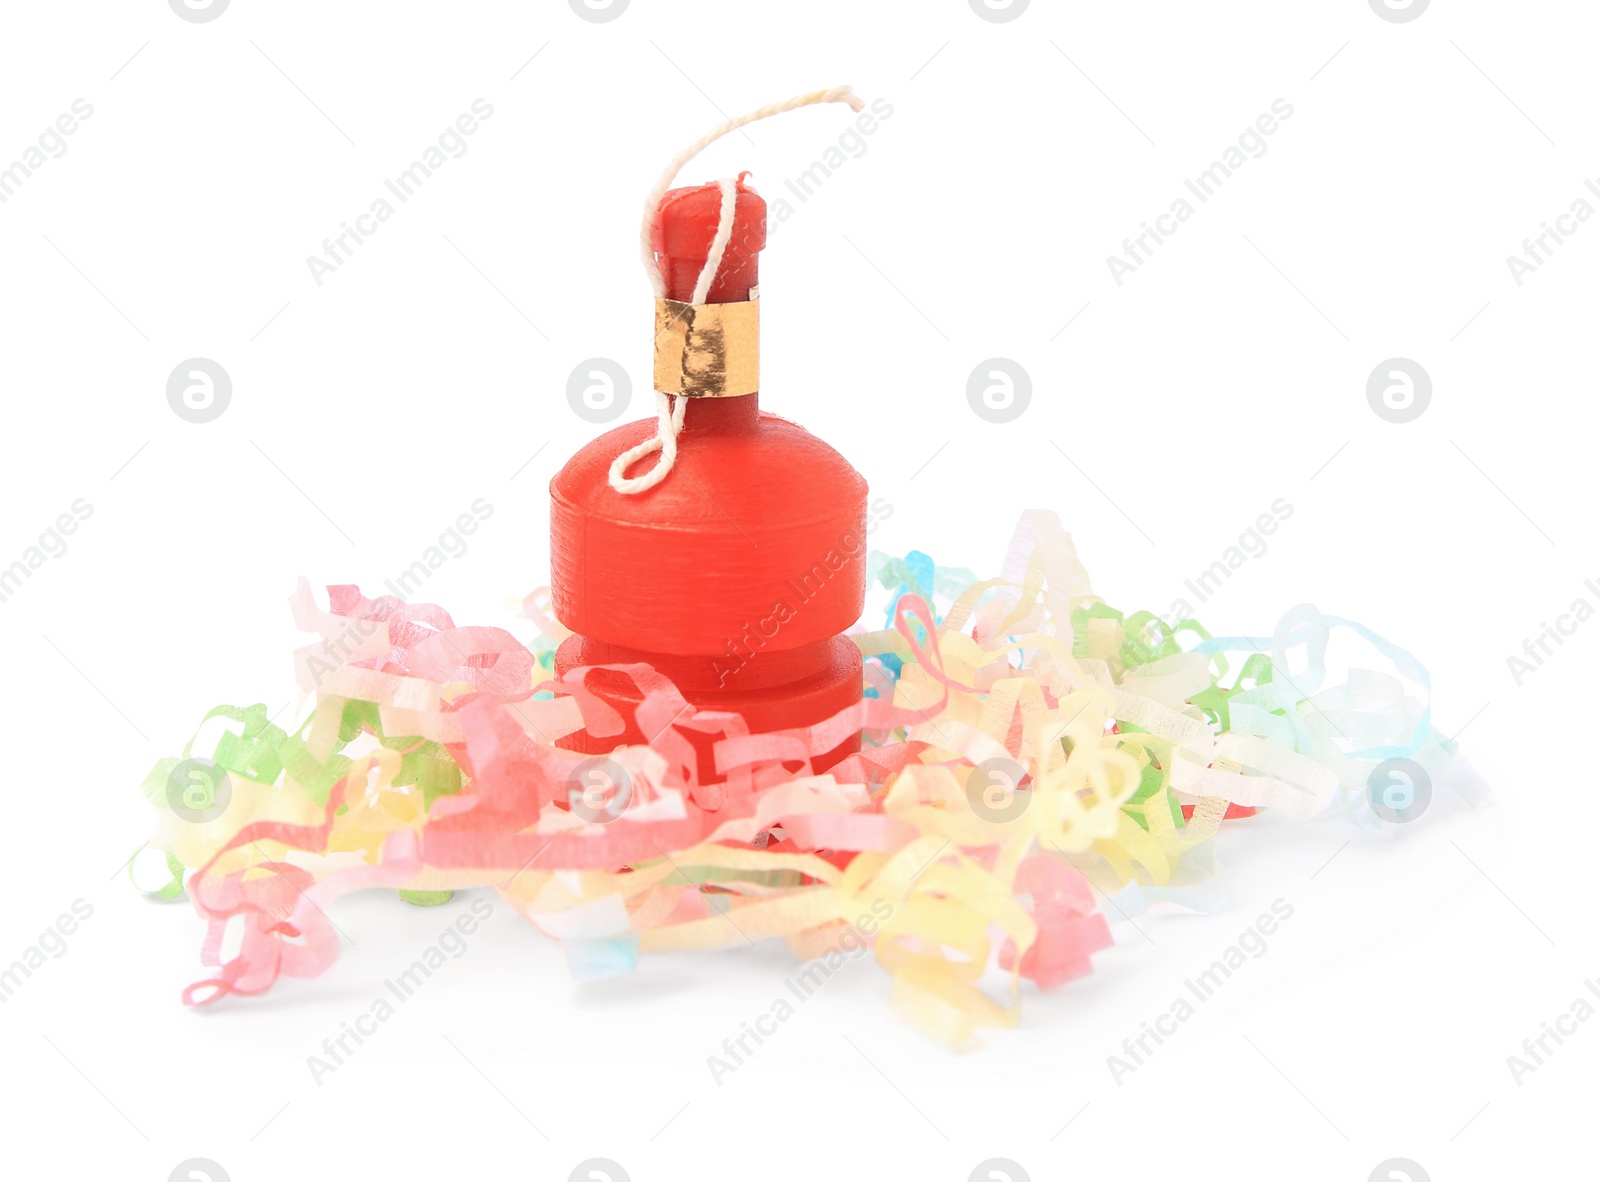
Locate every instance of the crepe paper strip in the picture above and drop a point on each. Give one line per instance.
(1074, 932)
(1156, 852)
(915, 574)
(590, 960)
(1234, 811)
(1305, 626)
(168, 891)
(1152, 804)
(1257, 791)
(264, 902)
(430, 763)
(252, 751)
(426, 898)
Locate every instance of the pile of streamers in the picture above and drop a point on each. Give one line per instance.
(429, 761)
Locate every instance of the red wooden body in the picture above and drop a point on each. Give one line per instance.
(734, 576)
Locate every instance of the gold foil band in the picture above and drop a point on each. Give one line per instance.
(708, 350)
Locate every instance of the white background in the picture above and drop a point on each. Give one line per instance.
(370, 411)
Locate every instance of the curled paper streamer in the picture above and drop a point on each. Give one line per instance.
(1023, 734)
